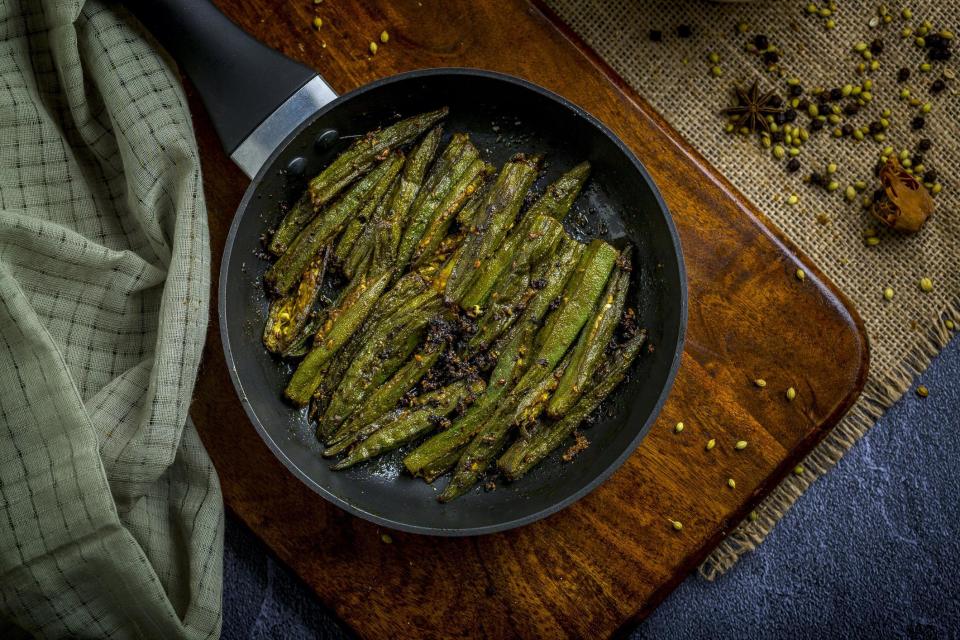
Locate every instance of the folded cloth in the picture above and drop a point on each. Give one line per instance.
(111, 517)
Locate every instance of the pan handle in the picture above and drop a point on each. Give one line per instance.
(255, 95)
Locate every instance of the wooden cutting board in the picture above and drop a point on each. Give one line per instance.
(604, 563)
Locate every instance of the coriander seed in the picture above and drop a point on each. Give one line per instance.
(741, 445)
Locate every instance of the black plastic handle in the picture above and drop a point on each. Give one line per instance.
(240, 80)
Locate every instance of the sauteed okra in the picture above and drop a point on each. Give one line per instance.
(466, 316)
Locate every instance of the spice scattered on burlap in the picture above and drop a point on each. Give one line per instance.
(111, 518)
(820, 46)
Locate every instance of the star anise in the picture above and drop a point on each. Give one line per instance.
(752, 108)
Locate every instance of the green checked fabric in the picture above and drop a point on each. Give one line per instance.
(111, 518)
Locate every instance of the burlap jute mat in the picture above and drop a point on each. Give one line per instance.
(675, 77)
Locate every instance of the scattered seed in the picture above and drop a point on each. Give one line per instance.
(655, 35)
(888, 293)
(741, 445)
(873, 241)
(713, 57)
(760, 382)
(850, 193)
(753, 516)
(716, 71)
(791, 394)
(677, 525)
(922, 391)
(906, 13)
(678, 428)
(385, 537)
(373, 47)
(949, 324)
(926, 285)
(731, 483)
(801, 274)
(317, 22)
(793, 199)
(711, 443)
(384, 37)
(684, 31)
(798, 470)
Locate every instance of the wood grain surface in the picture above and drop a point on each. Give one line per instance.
(602, 564)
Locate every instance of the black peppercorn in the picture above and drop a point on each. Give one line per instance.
(917, 159)
(847, 129)
(777, 136)
(779, 117)
(938, 86)
(876, 47)
(917, 123)
(939, 55)
(816, 178)
(656, 35)
(803, 105)
(930, 176)
(793, 165)
(771, 57)
(878, 195)
(924, 144)
(903, 75)
(836, 94)
(875, 127)
(776, 101)
(851, 108)
(761, 42)
(795, 90)
(684, 31)
(790, 115)
(816, 124)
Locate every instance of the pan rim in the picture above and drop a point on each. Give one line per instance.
(278, 450)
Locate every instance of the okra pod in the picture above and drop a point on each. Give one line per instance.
(526, 453)
(534, 240)
(559, 196)
(377, 144)
(384, 398)
(284, 273)
(467, 183)
(382, 354)
(435, 451)
(339, 326)
(289, 316)
(459, 155)
(301, 213)
(363, 220)
(362, 249)
(493, 221)
(579, 297)
(593, 341)
(493, 436)
(413, 423)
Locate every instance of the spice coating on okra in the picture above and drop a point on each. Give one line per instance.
(471, 330)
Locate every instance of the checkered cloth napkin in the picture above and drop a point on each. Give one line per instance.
(111, 517)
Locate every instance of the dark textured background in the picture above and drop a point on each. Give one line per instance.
(870, 551)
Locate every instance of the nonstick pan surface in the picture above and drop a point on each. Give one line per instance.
(620, 204)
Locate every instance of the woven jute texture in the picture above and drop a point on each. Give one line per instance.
(111, 517)
(674, 76)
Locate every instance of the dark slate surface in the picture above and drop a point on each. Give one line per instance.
(870, 551)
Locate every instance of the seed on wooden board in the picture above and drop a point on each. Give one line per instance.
(741, 445)
(791, 394)
(711, 443)
(678, 428)
(801, 274)
(760, 382)
(731, 483)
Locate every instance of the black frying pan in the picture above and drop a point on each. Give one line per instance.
(242, 83)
